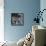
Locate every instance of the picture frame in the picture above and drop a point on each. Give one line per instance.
(17, 19)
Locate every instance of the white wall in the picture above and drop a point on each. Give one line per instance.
(1, 20)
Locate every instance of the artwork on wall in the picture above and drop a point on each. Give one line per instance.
(17, 19)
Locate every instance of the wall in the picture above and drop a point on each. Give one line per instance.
(28, 7)
(1, 20)
(43, 6)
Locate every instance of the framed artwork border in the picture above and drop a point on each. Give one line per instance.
(17, 19)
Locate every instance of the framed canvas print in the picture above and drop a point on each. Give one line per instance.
(17, 19)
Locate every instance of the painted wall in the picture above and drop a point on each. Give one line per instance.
(29, 8)
(43, 6)
(1, 20)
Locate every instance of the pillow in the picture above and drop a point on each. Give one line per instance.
(28, 40)
(21, 42)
